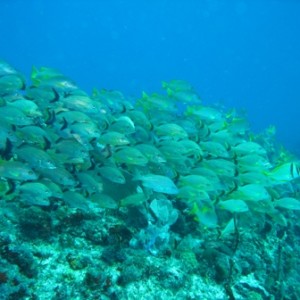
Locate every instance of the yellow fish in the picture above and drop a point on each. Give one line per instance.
(285, 172)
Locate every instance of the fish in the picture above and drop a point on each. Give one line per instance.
(254, 177)
(112, 173)
(72, 117)
(90, 182)
(170, 131)
(59, 83)
(71, 151)
(181, 91)
(164, 169)
(44, 97)
(84, 131)
(224, 137)
(221, 166)
(157, 183)
(234, 205)
(264, 206)
(238, 126)
(6, 69)
(156, 103)
(207, 114)
(14, 116)
(284, 172)
(184, 97)
(35, 157)
(209, 174)
(204, 213)
(141, 135)
(103, 201)
(253, 162)
(197, 182)
(81, 103)
(130, 156)
(217, 126)
(76, 200)
(123, 125)
(59, 175)
(140, 118)
(28, 107)
(288, 203)
(182, 167)
(177, 86)
(151, 153)
(190, 127)
(59, 145)
(247, 148)
(35, 193)
(113, 138)
(172, 150)
(214, 149)
(191, 149)
(251, 192)
(36, 136)
(12, 97)
(16, 170)
(190, 193)
(114, 101)
(11, 83)
(44, 73)
(133, 200)
(55, 189)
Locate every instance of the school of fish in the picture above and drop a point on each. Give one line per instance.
(61, 146)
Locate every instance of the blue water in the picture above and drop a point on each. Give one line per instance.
(244, 54)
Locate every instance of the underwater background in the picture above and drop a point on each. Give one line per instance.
(149, 150)
(243, 54)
